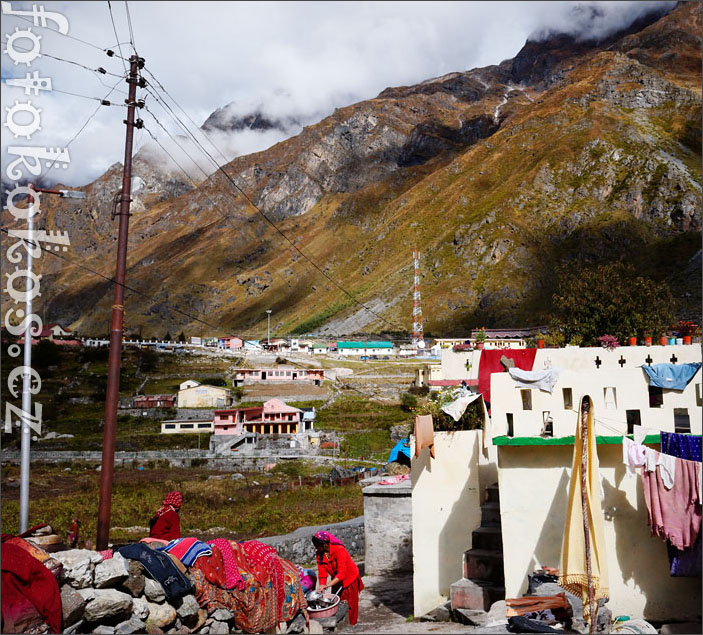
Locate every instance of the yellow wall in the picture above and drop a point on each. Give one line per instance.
(534, 484)
(445, 510)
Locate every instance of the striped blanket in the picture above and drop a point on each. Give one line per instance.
(187, 550)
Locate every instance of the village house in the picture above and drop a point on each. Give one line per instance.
(273, 417)
(231, 343)
(365, 349)
(193, 394)
(186, 426)
(55, 331)
(491, 506)
(153, 401)
(275, 345)
(278, 375)
(319, 348)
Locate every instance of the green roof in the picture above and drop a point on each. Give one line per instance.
(364, 344)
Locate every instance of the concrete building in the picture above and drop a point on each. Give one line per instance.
(278, 375)
(193, 394)
(231, 343)
(273, 417)
(154, 401)
(182, 426)
(365, 349)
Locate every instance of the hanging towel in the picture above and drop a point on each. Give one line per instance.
(424, 434)
(542, 379)
(674, 514)
(650, 462)
(633, 455)
(457, 407)
(671, 376)
(187, 550)
(667, 467)
(489, 363)
(685, 446)
(573, 576)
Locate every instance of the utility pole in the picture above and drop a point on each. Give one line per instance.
(268, 327)
(114, 360)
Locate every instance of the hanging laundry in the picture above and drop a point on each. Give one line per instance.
(686, 563)
(685, 446)
(456, 408)
(542, 379)
(633, 455)
(424, 434)
(671, 376)
(490, 363)
(667, 469)
(674, 514)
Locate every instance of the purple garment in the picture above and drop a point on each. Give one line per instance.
(685, 564)
(685, 446)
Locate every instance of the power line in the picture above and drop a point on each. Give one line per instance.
(269, 221)
(117, 37)
(131, 32)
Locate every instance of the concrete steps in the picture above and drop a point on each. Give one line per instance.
(483, 581)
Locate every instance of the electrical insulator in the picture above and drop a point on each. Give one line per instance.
(140, 103)
(139, 124)
(110, 53)
(105, 102)
(100, 69)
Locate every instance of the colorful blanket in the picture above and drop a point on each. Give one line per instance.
(232, 576)
(187, 550)
(266, 566)
(254, 605)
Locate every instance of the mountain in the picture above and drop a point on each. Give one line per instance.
(575, 151)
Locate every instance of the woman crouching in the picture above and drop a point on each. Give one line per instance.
(334, 562)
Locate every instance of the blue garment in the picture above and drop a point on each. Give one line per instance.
(160, 567)
(684, 446)
(685, 564)
(402, 447)
(671, 376)
(196, 549)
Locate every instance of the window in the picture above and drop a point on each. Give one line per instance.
(187, 426)
(633, 419)
(526, 399)
(547, 424)
(568, 398)
(699, 396)
(170, 426)
(610, 398)
(656, 397)
(682, 422)
(203, 425)
(509, 417)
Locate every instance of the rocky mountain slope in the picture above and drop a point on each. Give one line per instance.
(571, 152)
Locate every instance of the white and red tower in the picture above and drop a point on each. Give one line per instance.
(418, 336)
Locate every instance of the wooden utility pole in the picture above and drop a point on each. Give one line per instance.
(114, 360)
(592, 605)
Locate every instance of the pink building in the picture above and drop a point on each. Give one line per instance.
(232, 343)
(274, 417)
(279, 375)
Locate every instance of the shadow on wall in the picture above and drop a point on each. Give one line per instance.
(456, 534)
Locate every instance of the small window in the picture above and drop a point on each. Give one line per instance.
(682, 422)
(526, 399)
(699, 396)
(509, 418)
(547, 424)
(633, 419)
(170, 426)
(568, 398)
(203, 425)
(186, 426)
(610, 398)
(656, 397)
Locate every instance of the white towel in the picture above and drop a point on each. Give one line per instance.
(542, 379)
(667, 467)
(651, 460)
(457, 408)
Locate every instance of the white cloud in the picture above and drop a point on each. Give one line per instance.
(298, 59)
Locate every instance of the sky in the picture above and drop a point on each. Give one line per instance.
(293, 60)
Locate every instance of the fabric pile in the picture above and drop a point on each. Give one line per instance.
(673, 483)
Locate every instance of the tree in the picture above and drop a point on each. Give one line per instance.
(167, 337)
(609, 298)
(181, 337)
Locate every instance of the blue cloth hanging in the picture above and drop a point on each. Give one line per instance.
(402, 447)
(671, 376)
(684, 446)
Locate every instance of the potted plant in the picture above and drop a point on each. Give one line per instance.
(608, 341)
(541, 340)
(480, 337)
(632, 341)
(686, 329)
(647, 338)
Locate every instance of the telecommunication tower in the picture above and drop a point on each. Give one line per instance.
(418, 336)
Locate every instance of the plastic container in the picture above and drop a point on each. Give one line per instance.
(672, 341)
(679, 341)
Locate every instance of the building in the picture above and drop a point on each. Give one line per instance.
(183, 426)
(319, 348)
(55, 331)
(365, 349)
(278, 375)
(273, 417)
(230, 343)
(154, 401)
(193, 394)
(407, 350)
(252, 345)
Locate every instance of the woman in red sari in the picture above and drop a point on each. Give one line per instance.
(166, 523)
(335, 563)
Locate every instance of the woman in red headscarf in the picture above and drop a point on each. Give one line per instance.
(334, 562)
(166, 523)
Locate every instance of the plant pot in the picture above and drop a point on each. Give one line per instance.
(663, 340)
(540, 343)
(632, 341)
(686, 339)
(479, 345)
(679, 341)
(648, 340)
(672, 341)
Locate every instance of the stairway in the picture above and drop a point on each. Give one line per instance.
(483, 581)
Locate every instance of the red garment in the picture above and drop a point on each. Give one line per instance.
(167, 526)
(350, 595)
(489, 363)
(213, 567)
(337, 564)
(27, 586)
(266, 565)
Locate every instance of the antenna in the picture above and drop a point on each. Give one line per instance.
(418, 336)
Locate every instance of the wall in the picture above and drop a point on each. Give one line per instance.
(203, 397)
(388, 528)
(534, 483)
(445, 510)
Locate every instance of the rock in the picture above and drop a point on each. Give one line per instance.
(202, 617)
(70, 630)
(497, 611)
(237, 476)
(470, 617)
(108, 603)
(132, 625)
(87, 594)
(134, 584)
(297, 625)
(219, 628)
(216, 477)
(188, 607)
(140, 608)
(103, 630)
(316, 628)
(161, 615)
(72, 605)
(78, 566)
(442, 613)
(222, 615)
(109, 573)
(153, 590)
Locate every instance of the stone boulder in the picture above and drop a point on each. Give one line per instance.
(109, 573)
(140, 608)
(222, 615)
(72, 605)
(219, 628)
(160, 615)
(153, 591)
(78, 566)
(188, 607)
(132, 625)
(108, 603)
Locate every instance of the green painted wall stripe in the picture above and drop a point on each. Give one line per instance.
(650, 438)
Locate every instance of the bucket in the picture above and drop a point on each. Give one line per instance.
(633, 626)
(632, 341)
(648, 340)
(663, 340)
(686, 339)
(318, 614)
(679, 341)
(540, 343)
(672, 341)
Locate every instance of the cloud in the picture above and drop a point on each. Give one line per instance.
(294, 60)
